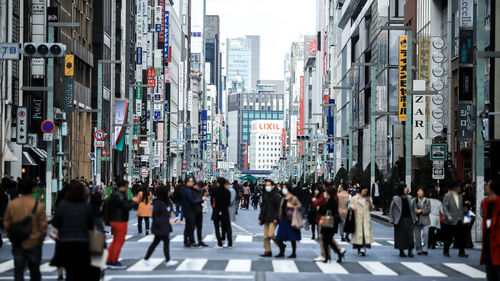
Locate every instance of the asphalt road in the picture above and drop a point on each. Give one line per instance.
(243, 262)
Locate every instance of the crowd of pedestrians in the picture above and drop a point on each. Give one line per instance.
(82, 210)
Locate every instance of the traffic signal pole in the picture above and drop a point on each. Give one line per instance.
(50, 116)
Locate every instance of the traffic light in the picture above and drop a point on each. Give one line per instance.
(44, 50)
(299, 137)
(69, 65)
(192, 141)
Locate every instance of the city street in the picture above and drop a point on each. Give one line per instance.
(243, 262)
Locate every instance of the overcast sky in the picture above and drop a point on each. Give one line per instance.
(278, 22)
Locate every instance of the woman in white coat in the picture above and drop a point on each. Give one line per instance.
(363, 233)
(434, 216)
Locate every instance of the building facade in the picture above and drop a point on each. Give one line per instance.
(266, 144)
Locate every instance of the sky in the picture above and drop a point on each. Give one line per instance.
(278, 22)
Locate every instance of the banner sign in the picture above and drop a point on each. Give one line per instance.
(166, 55)
(69, 93)
(402, 77)
(121, 111)
(419, 120)
(301, 108)
(22, 125)
(138, 55)
(465, 122)
(466, 13)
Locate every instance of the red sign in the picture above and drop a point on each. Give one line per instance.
(151, 82)
(301, 108)
(104, 152)
(99, 135)
(151, 72)
(48, 126)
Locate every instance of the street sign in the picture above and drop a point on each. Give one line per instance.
(92, 156)
(136, 172)
(10, 51)
(22, 130)
(144, 144)
(47, 137)
(438, 173)
(99, 143)
(32, 141)
(48, 126)
(438, 152)
(99, 135)
(144, 172)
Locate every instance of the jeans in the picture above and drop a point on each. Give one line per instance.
(199, 226)
(32, 257)
(341, 227)
(156, 241)
(421, 234)
(139, 224)
(225, 226)
(119, 231)
(179, 210)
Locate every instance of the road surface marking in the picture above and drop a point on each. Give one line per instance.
(423, 269)
(147, 239)
(287, 266)
(239, 265)
(390, 242)
(342, 242)
(171, 276)
(466, 270)
(6, 266)
(376, 244)
(46, 267)
(178, 238)
(141, 266)
(331, 268)
(210, 238)
(243, 238)
(377, 268)
(308, 241)
(192, 265)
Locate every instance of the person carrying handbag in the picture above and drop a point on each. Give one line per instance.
(289, 203)
(329, 226)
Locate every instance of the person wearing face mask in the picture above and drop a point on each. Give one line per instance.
(286, 232)
(269, 214)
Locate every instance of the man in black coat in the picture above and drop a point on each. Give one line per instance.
(198, 212)
(269, 214)
(188, 201)
(220, 214)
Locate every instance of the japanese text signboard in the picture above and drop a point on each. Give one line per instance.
(403, 56)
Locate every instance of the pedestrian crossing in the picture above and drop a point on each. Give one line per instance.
(374, 268)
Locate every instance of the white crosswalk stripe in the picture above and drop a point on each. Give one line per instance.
(243, 238)
(287, 266)
(146, 239)
(177, 238)
(307, 241)
(192, 265)
(332, 268)
(126, 238)
(377, 268)
(423, 269)
(141, 265)
(466, 270)
(210, 238)
(239, 265)
(6, 266)
(46, 267)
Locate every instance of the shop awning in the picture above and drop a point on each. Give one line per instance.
(40, 153)
(8, 155)
(27, 160)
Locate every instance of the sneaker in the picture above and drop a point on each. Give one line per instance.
(171, 263)
(146, 262)
(117, 265)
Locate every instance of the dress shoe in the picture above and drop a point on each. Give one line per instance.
(267, 255)
(463, 255)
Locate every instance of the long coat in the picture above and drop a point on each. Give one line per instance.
(396, 209)
(451, 212)
(293, 200)
(363, 221)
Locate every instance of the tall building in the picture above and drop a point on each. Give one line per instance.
(213, 57)
(243, 108)
(266, 144)
(243, 61)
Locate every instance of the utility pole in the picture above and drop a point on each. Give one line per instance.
(50, 116)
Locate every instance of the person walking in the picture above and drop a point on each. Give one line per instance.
(188, 201)
(118, 215)
(312, 212)
(320, 202)
(434, 219)
(491, 229)
(220, 214)
(363, 234)
(73, 220)
(343, 197)
(422, 208)
(4, 201)
(453, 212)
(286, 232)
(198, 212)
(177, 198)
(375, 193)
(246, 196)
(26, 249)
(402, 215)
(161, 227)
(331, 208)
(144, 212)
(233, 204)
(239, 192)
(269, 215)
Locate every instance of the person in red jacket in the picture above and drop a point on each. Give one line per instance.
(490, 254)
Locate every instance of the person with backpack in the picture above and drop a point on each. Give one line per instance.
(26, 225)
(117, 214)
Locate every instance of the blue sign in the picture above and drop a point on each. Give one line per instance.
(157, 115)
(47, 126)
(157, 28)
(166, 54)
(138, 55)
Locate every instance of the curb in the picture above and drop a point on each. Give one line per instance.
(380, 217)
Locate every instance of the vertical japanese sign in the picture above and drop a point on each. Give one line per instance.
(22, 130)
(403, 56)
(301, 106)
(69, 94)
(424, 58)
(465, 122)
(166, 54)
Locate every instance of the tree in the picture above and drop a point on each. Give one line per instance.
(355, 174)
(341, 177)
(366, 175)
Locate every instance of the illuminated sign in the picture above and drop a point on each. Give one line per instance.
(403, 56)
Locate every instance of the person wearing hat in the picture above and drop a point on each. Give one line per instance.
(453, 212)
